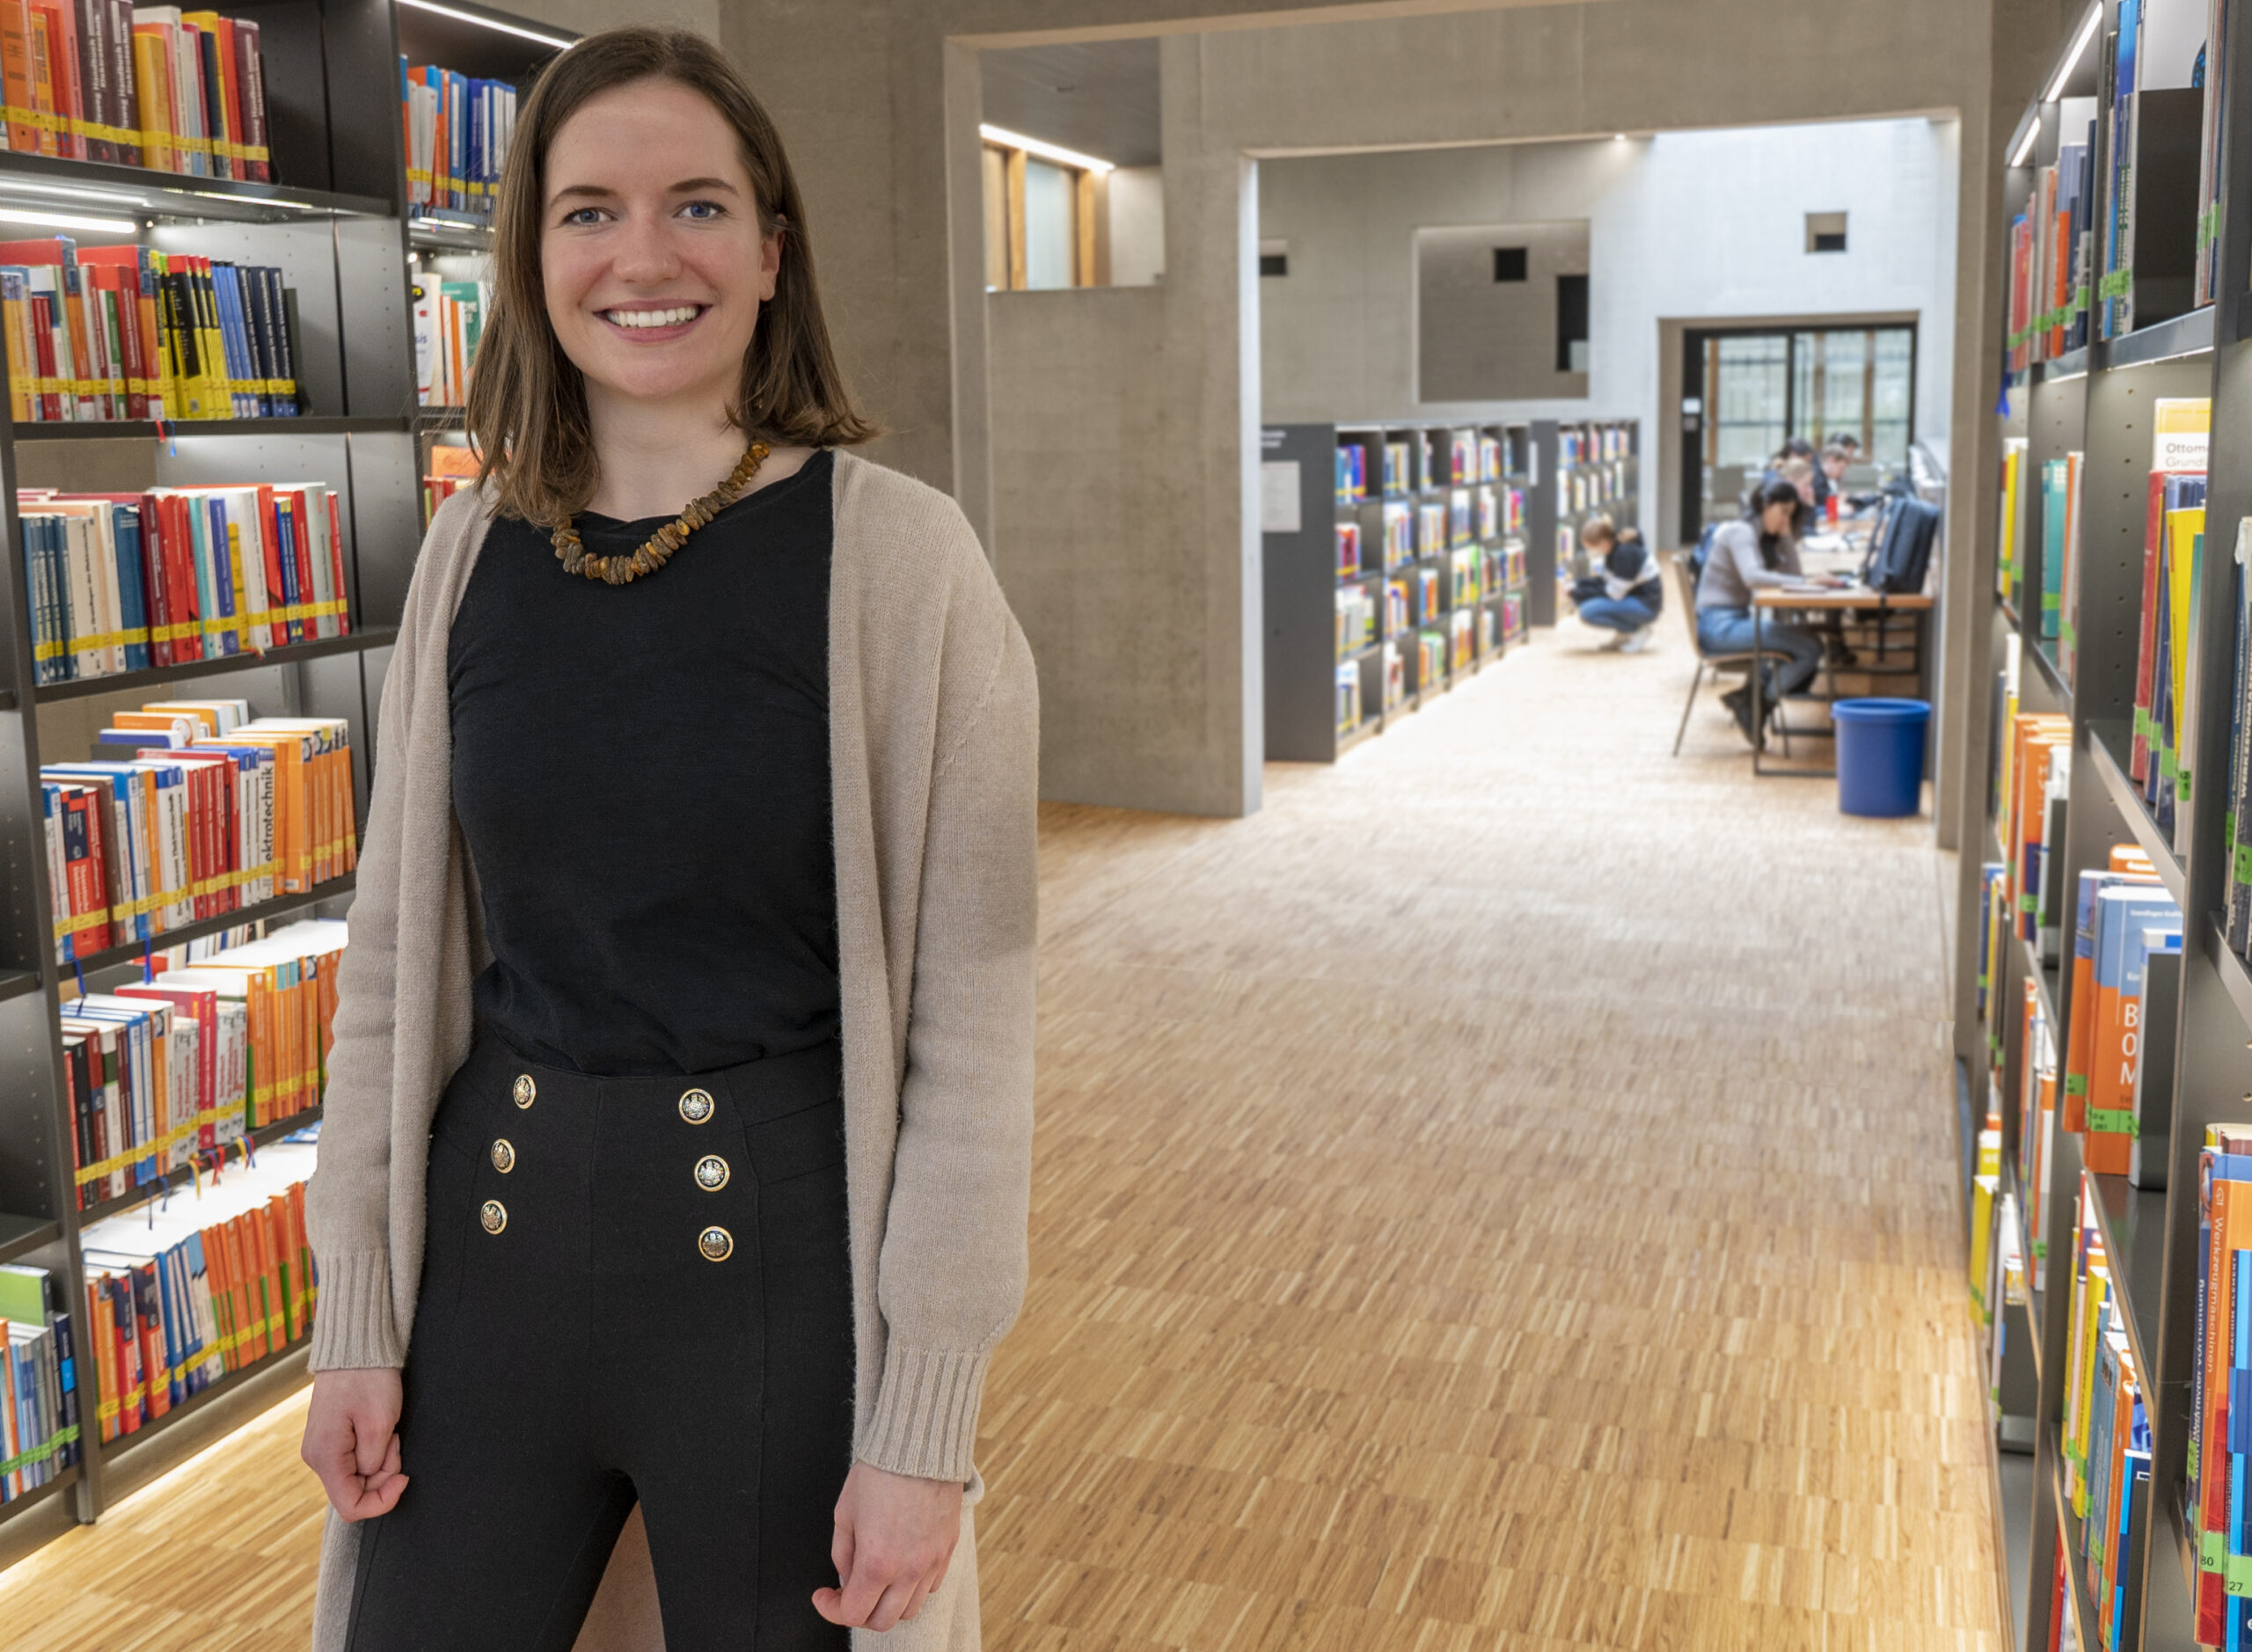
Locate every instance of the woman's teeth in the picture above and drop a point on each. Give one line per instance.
(675, 316)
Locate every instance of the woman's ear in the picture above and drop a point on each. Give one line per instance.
(770, 265)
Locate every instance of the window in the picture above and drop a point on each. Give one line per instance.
(1509, 263)
(1825, 231)
(1571, 324)
(1273, 258)
(1042, 222)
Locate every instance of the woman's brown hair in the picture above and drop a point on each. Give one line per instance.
(527, 402)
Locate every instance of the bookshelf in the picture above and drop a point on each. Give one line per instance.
(337, 224)
(1442, 573)
(2078, 393)
(1597, 469)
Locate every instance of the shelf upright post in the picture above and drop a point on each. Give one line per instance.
(1543, 511)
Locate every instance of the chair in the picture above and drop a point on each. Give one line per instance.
(1718, 664)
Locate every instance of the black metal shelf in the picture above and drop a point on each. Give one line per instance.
(2132, 1223)
(2189, 334)
(16, 982)
(2129, 802)
(263, 911)
(358, 641)
(158, 1186)
(55, 1488)
(2057, 686)
(2071, 364)
(2047, 982)
(2025, 1241)
(147, 430)
(144, 191)
(459, 234)
(2068, 1523)
(1361, 652)
(20, 1235)
(2235, 979)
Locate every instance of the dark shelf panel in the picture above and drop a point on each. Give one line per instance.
(144, 429)
(2107, 740)
(2033, 1296)
(16, 982)
(2071, 364)
(55, 1488)
(2183, 335)
(280, 906)
(7, 699)
(2068, 1525)
(1361, 652)
(20, 1234)
(260, 1137)
(1366, 729)
(153, 194)
(2234, 977)
(2047, 668)
(2048, 982)
(449, 235)
(122, 682)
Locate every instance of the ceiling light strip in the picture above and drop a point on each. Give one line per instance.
(1046, 151)
(474, 20)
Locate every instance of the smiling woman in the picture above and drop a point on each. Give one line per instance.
(673, 1187)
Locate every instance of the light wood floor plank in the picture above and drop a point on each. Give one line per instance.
(1496, 1197)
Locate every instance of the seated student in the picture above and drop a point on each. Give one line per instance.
(1623, 592)
(1759, 553)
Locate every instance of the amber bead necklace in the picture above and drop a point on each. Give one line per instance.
(657, 549)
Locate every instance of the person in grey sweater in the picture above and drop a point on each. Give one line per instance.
(1759, 553)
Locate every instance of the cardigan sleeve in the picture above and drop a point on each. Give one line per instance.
(348, 1203)
(951, 1272)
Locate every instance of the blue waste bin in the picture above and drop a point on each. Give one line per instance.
(1880, 755)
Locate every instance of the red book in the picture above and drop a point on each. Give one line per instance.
(249, 71)
(336, 564)
(64, 71)
(131, 1390)
(2154, 531)
(300, 543)
(82, 865)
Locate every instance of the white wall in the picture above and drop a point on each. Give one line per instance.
(1702, 225)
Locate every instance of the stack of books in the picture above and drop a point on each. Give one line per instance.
(2123, 917)
(2173, 543)
(1356, 618)
(1462, 579)
(1349, 533)
(1431, 529)
(177, 1298)
(1395, 678)
(448, 321)
(204, 810)
(1462, 640)
(2105, 1431)
(2006, 573)
(2037, 1123)
(457, 129)
(39, 1385)
(2217, 1491)
(166, 1073)
(1398, 469)
(101, 333)
(2060, 560)
(1430, 658)
(2205, 285)
(2036, 778)
(136, 86)
(1349, 698)
(122, 582)
(1352, 473)
(1399, 535)
(2050, 246)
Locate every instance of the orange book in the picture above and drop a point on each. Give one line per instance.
(152, 84)
(24, 135)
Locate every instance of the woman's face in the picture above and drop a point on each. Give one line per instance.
(650, 250)
(1777, 518)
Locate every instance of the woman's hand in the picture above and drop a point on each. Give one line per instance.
(352, 1441)
(895, 1538)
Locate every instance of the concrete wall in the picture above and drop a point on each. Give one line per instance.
(1137, 226)
(1477, 337)
(1706, 226)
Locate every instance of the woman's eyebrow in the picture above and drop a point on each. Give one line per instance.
(702, 183)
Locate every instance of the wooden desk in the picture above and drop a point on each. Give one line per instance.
(1848, 601)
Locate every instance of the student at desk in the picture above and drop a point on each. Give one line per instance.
(1757, 553)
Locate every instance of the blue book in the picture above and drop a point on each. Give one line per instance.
(132, 592)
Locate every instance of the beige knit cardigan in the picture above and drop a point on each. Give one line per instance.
(933, 750)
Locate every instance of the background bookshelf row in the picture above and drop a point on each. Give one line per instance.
(2103, 1019)
(352, 236)
(1401, 558)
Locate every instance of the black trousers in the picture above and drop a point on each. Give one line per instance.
(634, 1289)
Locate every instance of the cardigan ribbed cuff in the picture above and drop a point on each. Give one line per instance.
(352, 1317)
(925, 1418)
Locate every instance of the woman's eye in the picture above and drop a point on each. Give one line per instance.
(583, 214)
(702, 211)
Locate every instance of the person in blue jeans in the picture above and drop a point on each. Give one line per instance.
(1623, 591)
(1757, 553)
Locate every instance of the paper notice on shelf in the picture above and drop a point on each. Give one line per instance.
(1278, 496)
(2181, 432)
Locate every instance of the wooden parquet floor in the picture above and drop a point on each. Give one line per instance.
(1498, 1196)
